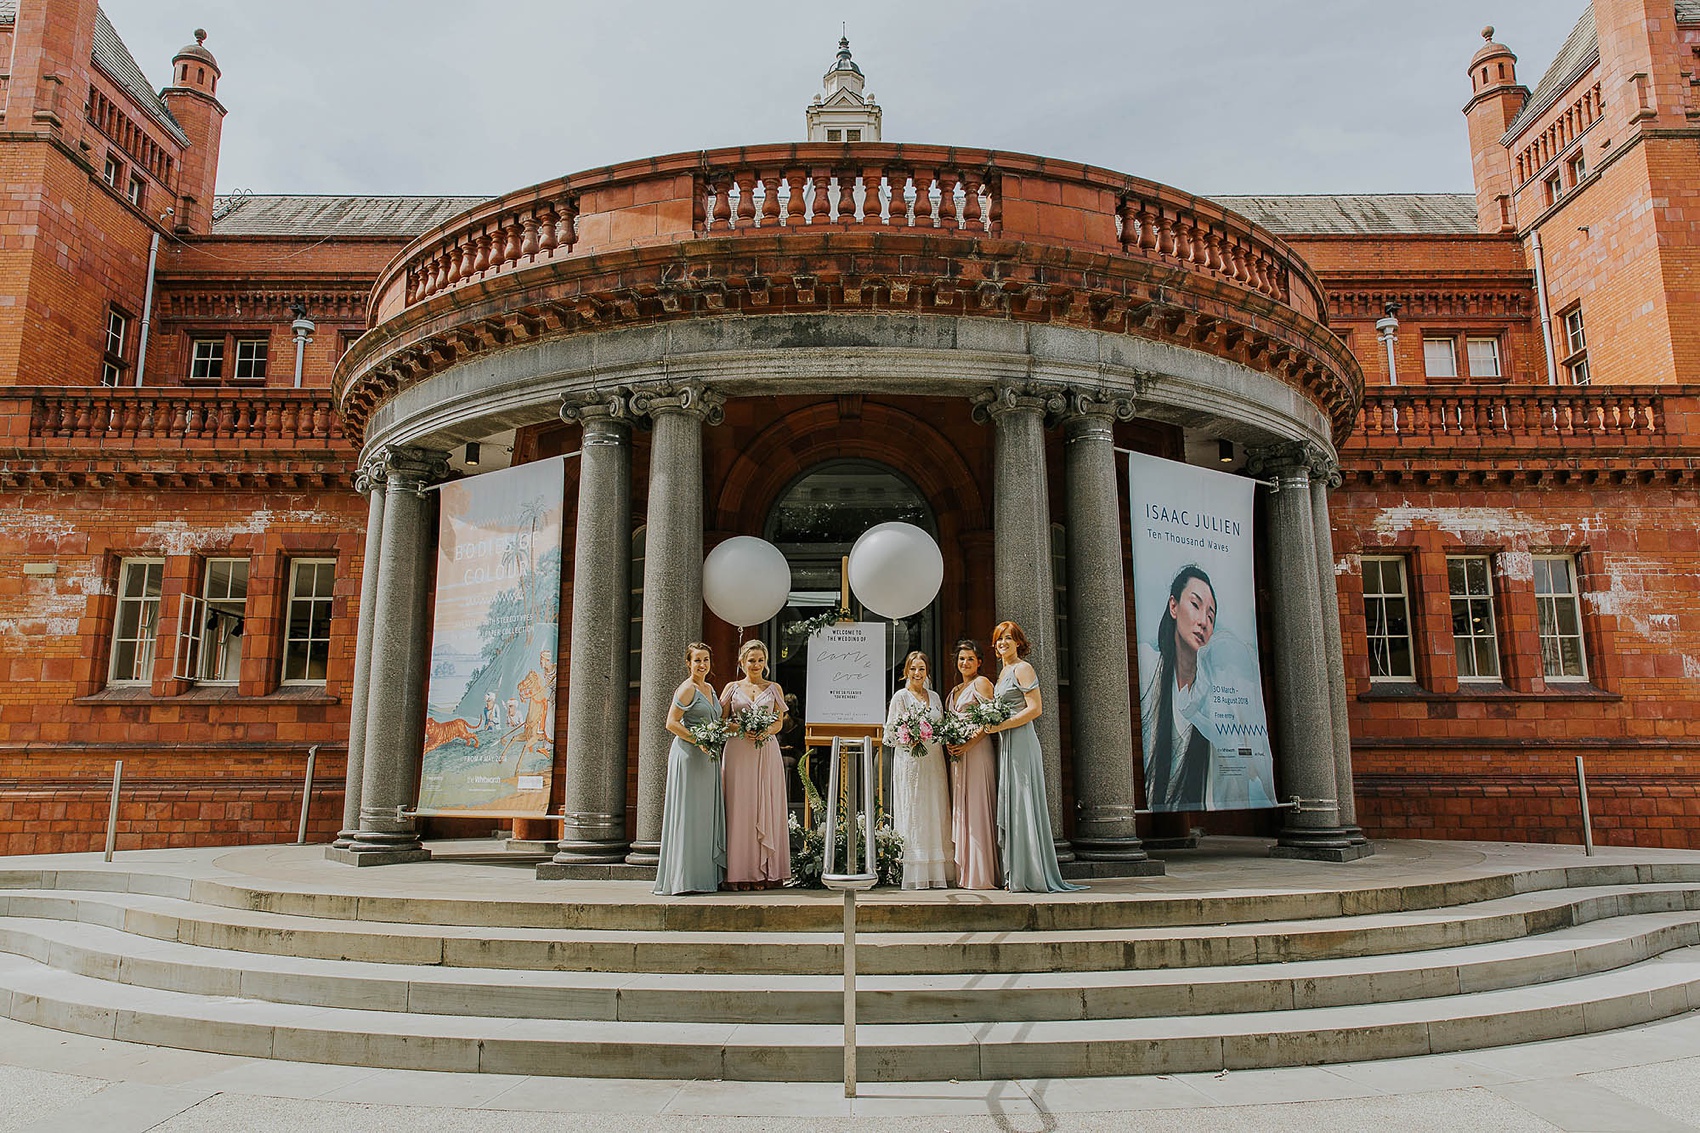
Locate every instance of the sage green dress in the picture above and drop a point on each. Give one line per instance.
(1024, 816)
(693, 817)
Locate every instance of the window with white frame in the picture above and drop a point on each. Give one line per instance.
(135, 629)
(224, 611)
(135, 191)
(1558, 605)
(250, 360)
(206, 359)
(1440, 357)
(113, 170)
(1470, 580)
(1479, 357)
(307, 633)
(112, 363)
(1387, 619)
(1482, 353)
(1575, 347)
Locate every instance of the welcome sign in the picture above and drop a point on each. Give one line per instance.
(490, 722)
(1205, 733)
(846, 683)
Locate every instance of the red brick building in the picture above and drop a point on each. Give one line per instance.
(1506, 383)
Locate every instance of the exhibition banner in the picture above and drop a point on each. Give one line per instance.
(490, 719)
(1205, 732)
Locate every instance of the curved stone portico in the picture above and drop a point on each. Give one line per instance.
(1048, 301)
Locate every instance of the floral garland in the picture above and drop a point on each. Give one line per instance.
(808, 627)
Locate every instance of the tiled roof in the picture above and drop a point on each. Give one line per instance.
(279, 215)
(1580, 52)
(111, 56)
(1360, 214)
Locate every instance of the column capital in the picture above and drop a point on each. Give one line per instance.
(596, 410)
(1089, 410)
(403, 469)
(371, 474)
(1023, 397)
(1290, 460)
(679, 397)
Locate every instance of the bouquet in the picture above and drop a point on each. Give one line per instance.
(988, 712)
(957, 728)
(755, 720)
(711, 735)
(913, 730)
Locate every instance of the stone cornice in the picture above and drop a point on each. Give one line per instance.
(859, 272)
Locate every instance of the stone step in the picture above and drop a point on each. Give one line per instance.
(1508, 918)
(109, 954)
(629, 906)
(1668, 985)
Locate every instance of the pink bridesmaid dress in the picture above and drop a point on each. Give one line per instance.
(758, 837)
(974, 806)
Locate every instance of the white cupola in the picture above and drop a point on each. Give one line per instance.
(841, 112)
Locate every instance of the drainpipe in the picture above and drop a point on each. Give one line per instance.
(1546, 312)
(1388, 329)
(147, 311)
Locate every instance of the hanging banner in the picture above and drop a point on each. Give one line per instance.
(490, 719)
(1205, 732)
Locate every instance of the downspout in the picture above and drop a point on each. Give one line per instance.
(1546, 312)
(147, 311)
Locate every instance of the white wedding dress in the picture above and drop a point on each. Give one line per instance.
(920, 800)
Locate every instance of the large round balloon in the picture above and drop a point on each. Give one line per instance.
(745, 580)
(896, 569)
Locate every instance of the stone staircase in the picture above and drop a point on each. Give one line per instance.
(611, 982)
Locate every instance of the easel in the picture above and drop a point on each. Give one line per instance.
(823, 735)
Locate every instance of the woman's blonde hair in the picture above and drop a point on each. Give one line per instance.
(907, 661)
(750, 647)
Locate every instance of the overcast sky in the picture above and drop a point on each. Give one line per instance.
(1213, 96)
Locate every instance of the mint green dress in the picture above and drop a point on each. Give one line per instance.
(1024, 816)
(693, 817)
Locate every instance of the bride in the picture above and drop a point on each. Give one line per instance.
(920, 785)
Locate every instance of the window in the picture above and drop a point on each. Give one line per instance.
(1440, 357)
(135, 190)
(307, 635)
(1559, 608)
(835, 135)
(852, 135)
(1483, 356)
(209, 630)
(1575, 347)
(634, 643)
(1555, 189)
(1387, 620)
(112, 365)
(1578, 168)
(113, 171)
(1059, 592)
(250, 360)
(1473, 637)
(133, 632)
(206, 359)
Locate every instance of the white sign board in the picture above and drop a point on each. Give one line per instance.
(847, 675)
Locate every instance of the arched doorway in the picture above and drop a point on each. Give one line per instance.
(815, 521)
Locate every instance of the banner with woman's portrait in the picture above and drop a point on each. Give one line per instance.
(1205, 731)
(490, 717)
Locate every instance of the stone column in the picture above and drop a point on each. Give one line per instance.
(394, 729)
(1102, 718)
(1304, 717)
(1024, 590)
(1325, 474)
(672, 584)
(371, 482)
(594, 832)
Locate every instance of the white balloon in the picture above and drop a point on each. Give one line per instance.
(745, 580)
(896, 569)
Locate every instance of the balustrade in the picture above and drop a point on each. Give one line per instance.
(265, 417)
(896, 196)
(1511, 413)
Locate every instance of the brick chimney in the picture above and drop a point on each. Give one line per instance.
(1495, 99)
(52, 45)
(192, 100)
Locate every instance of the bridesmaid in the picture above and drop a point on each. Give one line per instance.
(1024, 818)
(752, 776)
(693, 818)
(920, 789)
(974, 782)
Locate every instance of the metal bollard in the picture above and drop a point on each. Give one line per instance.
(1587, 820)
(307, 795)
(112, 812)
(850, 881)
